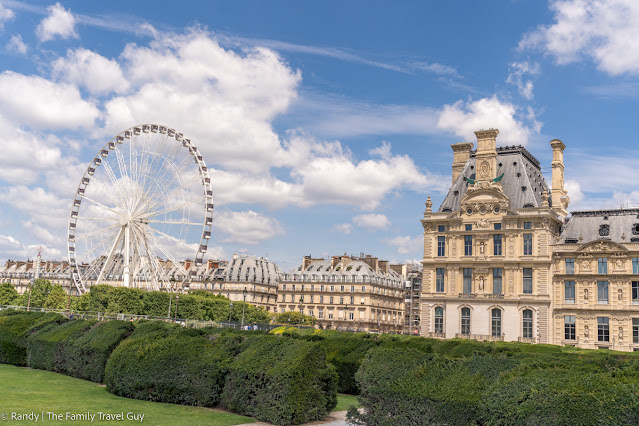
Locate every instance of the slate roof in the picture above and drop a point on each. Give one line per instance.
(621, 226)
(521, 170)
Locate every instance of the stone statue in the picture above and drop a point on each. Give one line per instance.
(620, 292)
(620, 333)
(481, 247)
(481, 283)
(585, 294)
(586, 331)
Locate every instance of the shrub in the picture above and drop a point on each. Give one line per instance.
(15, 328)
(174, 365)
(46, 349)
(281, 380)
(86, 357)
(8, 294)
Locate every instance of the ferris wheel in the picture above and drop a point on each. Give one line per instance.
(143, 205)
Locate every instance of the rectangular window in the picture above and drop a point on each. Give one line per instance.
(497, 244)
(330, 315)
(570, 328)
(602, 265)
(312, 298)
(363, 289)
(441, 246)
(351, 315)
(439, 320)
(352, 300)
(497, 273)
(321, 288)
(495, 328)
(469, 227)
(602, 292)
(635, 292)
(341, 300)
(528, 281)
(569, 291)
(332, 288)
(528, 245)
(283, 286)
(527, 225)
(468, 245)
(635, 265)
(497, 226)
(293, 287)
(331, 300)
(321, 299)
(635, 330)
(527, 324)
(439, 282)
(570, 266)
(603, 329)
(465, 321)
(441, 228)
(468, 280)
(352, 289)
(341, 288)
(320, 314)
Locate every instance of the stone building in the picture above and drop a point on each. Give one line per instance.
(596, 280)
(345, 293)
(487, 249)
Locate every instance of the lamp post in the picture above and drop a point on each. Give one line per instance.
(301, 308)
(177, 300)
(30, 290)
(230, 310)
(346, 316)
(243, 306)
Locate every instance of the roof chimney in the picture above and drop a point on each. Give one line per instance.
(559, 195)
(486, 164)
(461, 155)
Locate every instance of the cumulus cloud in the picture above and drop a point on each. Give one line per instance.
(371, 221)
(606, 32)
(406, 244)
(464, 118)
(5, 15)
(60, 23)
(15, 44)
(39, 103)
(12, 248)
(517, 76)
(344, 228)
(87, 69)
(247, 227)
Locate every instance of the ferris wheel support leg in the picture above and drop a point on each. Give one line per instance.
(109, 258)
(127, 255)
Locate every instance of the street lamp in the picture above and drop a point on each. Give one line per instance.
(230, 310)
(177, 300)
(243, 306)
(345, 316)
(301, 308)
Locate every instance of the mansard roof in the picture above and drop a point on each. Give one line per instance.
(522, 183)
(619, 225)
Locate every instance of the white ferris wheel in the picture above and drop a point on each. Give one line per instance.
(143, 205)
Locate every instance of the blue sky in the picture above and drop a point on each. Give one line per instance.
(326, 124)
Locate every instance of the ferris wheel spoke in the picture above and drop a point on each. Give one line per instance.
(97, 232)
(107, 193)
(169, 256)
(175, 222)
(98, 246)
(114, 182)
(109, 259)
(174, 192)
(95, 218)
(177, 173)
(99, 204)
(173, 208)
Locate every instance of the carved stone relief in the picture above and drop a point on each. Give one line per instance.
(482, 223)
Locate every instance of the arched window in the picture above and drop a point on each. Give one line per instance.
(496, 322)
(465, 321)
(528, 323)
(439, 320)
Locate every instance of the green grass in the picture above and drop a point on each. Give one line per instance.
(24, 391)
(345, 401)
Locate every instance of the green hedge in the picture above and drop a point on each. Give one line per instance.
(281, 380)
(15, 328)
(168, 364)
(47, 349)
(86, 357)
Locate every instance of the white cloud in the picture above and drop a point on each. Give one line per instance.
(607, 32)
(97, 74)
(38, 103)
(5, 15)
(59, 23)
(247, 227)
(371, 221)
(344, 228)
(15, 44)
(11, 248)
(464, 118)
(435, 68)
(517, 74)
(41, 206)
(406, 244)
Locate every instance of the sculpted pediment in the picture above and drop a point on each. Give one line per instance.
(484, 197)
(602, 246)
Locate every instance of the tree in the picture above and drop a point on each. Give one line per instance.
(8, 294)
(39, 290)
(57, 298)
(293, 318)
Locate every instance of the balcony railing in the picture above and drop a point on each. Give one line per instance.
(435, 335)
(482, 337)
(476, 296)
(526, 339)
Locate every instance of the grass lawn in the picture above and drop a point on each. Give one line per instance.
(345, 401)
(24, 391)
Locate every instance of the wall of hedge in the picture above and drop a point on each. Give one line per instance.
(15, 328)
(281, 381)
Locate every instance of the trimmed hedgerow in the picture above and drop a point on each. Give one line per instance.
(281, 380)
(15, 328)
(47, 349)
(86, 357)
(174, 365)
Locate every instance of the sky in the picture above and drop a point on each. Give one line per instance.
(325, 125)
